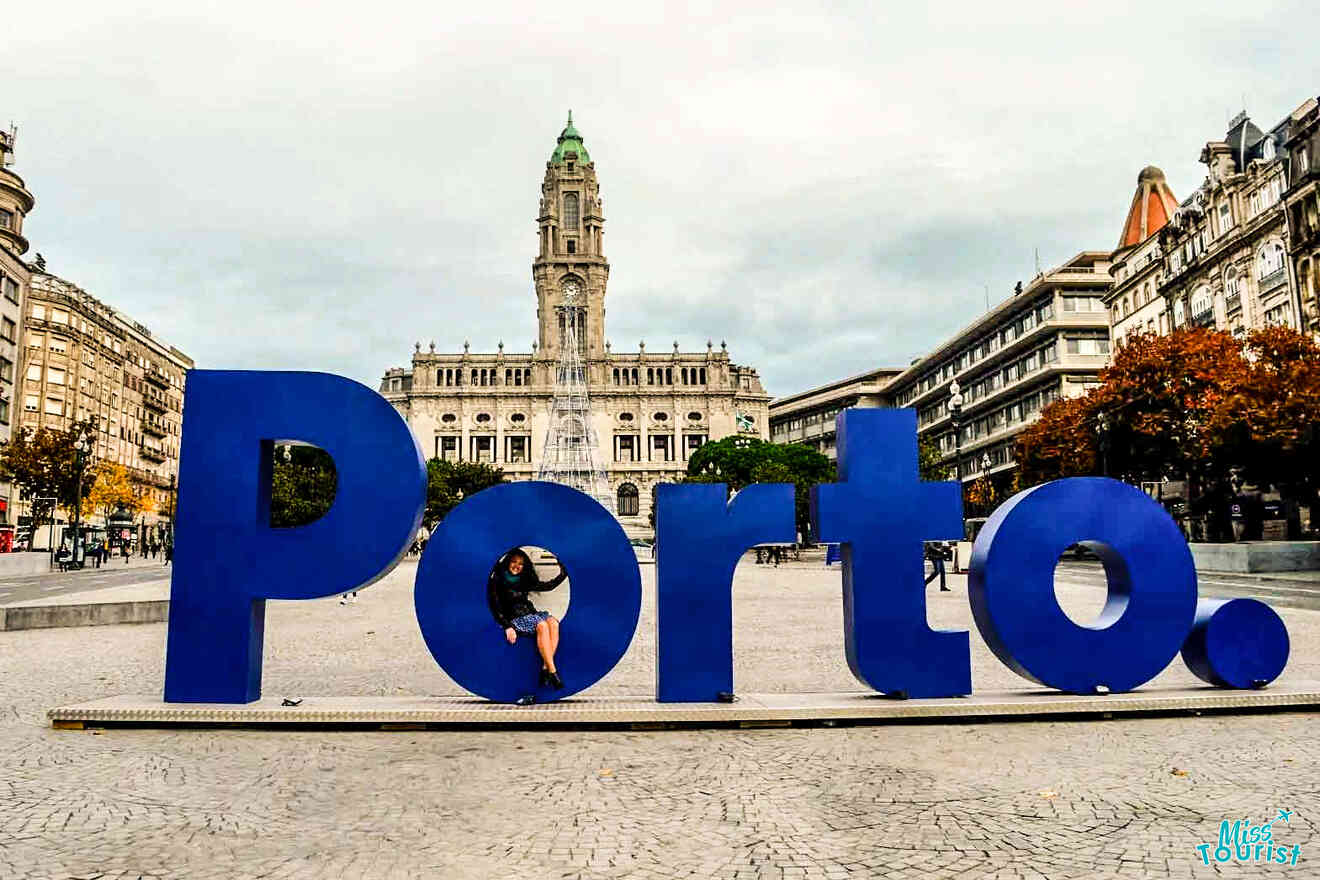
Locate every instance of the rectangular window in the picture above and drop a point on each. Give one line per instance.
(625, 447)
(4, 412)
(10, 287)
(662, 448)
(515, 449)
(59, 316)
(6, 370)
(692, 443)
(483, 448)
(7, 330)
(58, 345)
(30, 403)
(55, 376)
(6, 219)
(39, 311)
(446, 448)
(54, 407)
(34, 372)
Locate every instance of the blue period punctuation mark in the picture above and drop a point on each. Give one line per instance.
(1236, 643)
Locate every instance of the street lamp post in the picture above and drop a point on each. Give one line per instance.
(1102, 440)
(80, 449)
(955, 415)
(172, 506)
(986, 464)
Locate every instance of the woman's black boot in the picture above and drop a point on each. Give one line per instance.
(545, 677)
(555, 681)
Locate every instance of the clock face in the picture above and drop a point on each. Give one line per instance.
(571, 291)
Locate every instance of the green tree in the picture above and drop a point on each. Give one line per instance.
(302, 485)
(928, 461)
(42, 463)
(741, 461)
(444, 481)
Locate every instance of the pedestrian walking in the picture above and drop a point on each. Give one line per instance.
(96, 555)
(936, 553)
(506, 594)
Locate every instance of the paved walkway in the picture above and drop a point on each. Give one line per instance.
(25, 589)
(1126, 798)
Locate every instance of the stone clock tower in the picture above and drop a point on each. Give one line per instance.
(649, 409)
(570, 262)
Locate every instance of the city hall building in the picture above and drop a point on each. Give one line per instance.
(649, 409)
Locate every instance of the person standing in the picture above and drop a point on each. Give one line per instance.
(935, 553)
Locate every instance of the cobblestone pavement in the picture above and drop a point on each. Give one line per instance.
(1129, 798)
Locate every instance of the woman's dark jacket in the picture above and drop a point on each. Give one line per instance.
(509, 601)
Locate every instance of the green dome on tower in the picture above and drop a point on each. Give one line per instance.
(569, 142)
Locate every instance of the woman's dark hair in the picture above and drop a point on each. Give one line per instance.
(508, 557)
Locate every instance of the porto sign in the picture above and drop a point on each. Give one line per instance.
(229, 560)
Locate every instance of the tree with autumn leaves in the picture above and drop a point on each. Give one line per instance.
(1196, 405)
(113, 489)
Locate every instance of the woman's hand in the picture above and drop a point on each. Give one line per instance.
(510, 634)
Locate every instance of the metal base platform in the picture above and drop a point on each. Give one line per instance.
(642, 712)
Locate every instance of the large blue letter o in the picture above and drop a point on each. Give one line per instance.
(450, 593)
(1152, 585)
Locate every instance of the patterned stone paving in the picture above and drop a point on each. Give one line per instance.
(1127, 798)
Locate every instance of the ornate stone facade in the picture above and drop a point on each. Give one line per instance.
(15, 204)
(1303, 209)
(1219, 260)
(650, 410)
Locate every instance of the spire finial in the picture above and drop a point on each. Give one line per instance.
(570, 117)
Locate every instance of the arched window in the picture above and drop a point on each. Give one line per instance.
(570, 211)
(628, 500)
(1269, 259)
(684, 375)
(1202, 303)
(439, 377)
(616, 375)
(1232, 288)
(650, 375)
(1178, 313)
(669, 375)
(703, 375)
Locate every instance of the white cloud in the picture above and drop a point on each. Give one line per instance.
(317, 186)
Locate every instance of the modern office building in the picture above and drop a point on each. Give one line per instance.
(808, 416)
(1047, 341)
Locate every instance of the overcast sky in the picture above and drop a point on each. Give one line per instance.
(829, 188)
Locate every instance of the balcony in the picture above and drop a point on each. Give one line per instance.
(154, 401)
(1276, 278)
(1204, 319)
(153, 426)
(157, 378)
(151, 453)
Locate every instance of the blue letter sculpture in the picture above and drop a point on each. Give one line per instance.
(1152, 585)
(1236, 643)
(228, 560)
(450, 594)
(881, 512)
(699, 540)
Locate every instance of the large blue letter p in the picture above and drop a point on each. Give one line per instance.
(227, 558)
